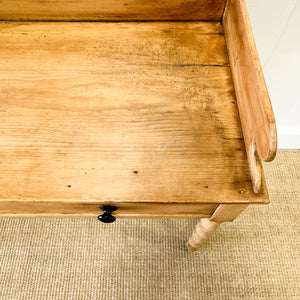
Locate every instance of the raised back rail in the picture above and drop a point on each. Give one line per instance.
(111, 10)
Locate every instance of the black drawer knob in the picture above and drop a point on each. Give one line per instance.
(106, 217)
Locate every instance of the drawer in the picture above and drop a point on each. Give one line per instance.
(90, 209)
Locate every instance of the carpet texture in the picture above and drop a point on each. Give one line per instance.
(255, 257)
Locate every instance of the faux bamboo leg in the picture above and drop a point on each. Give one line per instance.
(201, 233)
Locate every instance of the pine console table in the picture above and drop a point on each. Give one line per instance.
(132, 108)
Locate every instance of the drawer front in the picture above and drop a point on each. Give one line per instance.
(90, 209)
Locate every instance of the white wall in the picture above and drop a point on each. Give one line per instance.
(276, 29)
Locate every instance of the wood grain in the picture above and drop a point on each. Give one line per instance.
(227, 212)
(105, 10)
(125, 112)
(257, 119)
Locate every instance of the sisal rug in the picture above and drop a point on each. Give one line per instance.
(255, 257)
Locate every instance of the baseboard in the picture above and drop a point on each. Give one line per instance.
(289, 141)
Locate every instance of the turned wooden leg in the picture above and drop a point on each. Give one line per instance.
(200, 234)
(223, 213)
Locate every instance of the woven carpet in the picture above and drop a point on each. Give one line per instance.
(255, 257)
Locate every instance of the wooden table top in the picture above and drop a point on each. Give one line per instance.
(134, 112)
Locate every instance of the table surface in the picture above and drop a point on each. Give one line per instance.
(135, 112)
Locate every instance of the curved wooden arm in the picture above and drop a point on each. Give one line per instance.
(256, 114)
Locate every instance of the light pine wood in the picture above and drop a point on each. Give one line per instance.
(124, 112)
(203, 230)
(143, 116)
(92, 209)
(255, 110)
(227, 212)
(75, 10)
